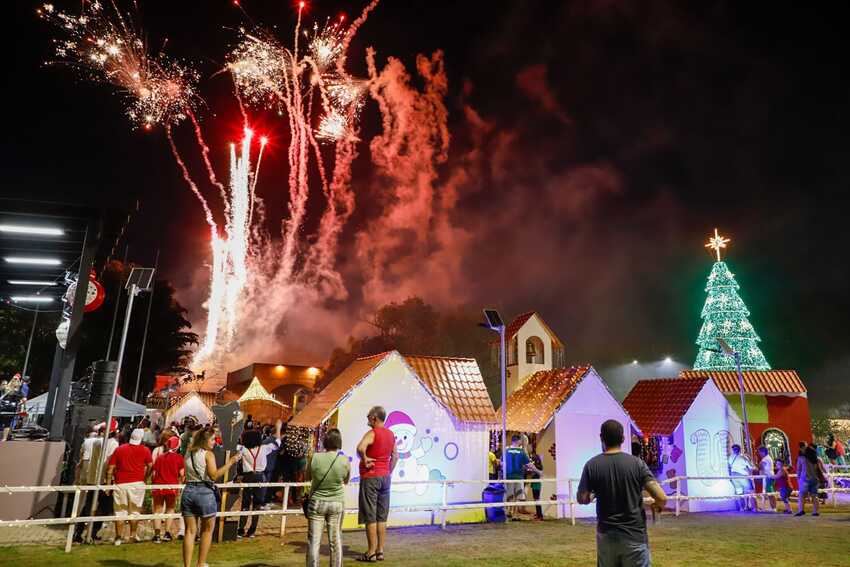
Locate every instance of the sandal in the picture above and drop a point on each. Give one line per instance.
(379, 556)
(366, 558)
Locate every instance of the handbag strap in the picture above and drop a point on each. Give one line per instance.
(194, 466)
(318, 486)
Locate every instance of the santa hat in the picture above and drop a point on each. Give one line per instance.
(398, 418)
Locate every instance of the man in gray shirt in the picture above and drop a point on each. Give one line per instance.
(616, 480)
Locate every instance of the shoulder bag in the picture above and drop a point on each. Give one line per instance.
(305, 503)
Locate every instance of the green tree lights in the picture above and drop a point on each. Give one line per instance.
(726, 316)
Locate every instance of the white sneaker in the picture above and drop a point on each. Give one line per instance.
(117, 541)
(137, 539)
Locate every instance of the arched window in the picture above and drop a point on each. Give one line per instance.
(534, 353)
(777, 444)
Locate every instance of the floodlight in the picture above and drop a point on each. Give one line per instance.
(36, 230)
(32, 282)
(36, 261)
(31, 299)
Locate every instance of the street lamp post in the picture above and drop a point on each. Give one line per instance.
(736, 356)
(139, 280)
(495, 323)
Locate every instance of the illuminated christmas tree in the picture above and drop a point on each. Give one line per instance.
(725, 316)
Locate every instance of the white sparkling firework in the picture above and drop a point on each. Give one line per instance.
(229, 270)
(305, 86)
(106, 47)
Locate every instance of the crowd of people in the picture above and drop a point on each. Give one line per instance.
(809, 468)
(184, 453)
(521, 462)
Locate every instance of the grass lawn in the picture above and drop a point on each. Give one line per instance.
(699, 539)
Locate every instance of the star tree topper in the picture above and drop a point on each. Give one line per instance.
(717, 242)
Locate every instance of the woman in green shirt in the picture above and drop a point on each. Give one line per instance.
(328, 473)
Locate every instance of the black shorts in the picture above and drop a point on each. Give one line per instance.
(374, 500)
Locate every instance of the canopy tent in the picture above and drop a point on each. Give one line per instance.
(123, 406)
(190, 405)
(258, 403)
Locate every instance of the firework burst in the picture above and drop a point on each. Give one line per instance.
(106, 47)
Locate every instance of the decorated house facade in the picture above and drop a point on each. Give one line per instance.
(777, 406)
(562, 410)
(689, 429)
(441, 414)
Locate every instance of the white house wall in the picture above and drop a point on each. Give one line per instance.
(544, 448)
(672, 459)
(710, 428)
(577, 431)
(441, 447)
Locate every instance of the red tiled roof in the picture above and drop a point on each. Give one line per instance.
(755, 381)
(517, 324)
(658, 405)
(532, 406)
(456, 382)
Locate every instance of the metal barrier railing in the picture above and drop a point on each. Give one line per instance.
(443, 507)
(678, 497)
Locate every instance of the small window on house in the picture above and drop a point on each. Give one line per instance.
(534, 353)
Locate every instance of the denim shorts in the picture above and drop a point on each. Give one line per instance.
(198, 501)
(811, 486)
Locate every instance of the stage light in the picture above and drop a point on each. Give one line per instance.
(32, 282)
(31, 299)
(37, 230)
(36, 261)
(634, 362)
(668, 359)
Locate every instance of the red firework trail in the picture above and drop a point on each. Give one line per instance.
(205, 152)
(188, 178)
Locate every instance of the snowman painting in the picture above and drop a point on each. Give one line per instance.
(409, 468)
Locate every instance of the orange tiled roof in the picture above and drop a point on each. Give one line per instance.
(755, 381)
(532, 406)
(658, 405)
(457, 382)
(325, 401)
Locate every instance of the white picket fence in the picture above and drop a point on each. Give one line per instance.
(567, 501)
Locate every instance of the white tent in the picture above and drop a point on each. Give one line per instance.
(123, 406)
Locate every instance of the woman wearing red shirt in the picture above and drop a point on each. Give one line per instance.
(168, 468)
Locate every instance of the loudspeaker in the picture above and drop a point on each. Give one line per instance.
(103, 382)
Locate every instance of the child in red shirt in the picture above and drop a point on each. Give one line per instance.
(169, 468)
(782, 485)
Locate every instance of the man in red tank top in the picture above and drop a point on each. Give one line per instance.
(378, 457)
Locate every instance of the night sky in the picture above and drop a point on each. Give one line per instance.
(594, 148)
